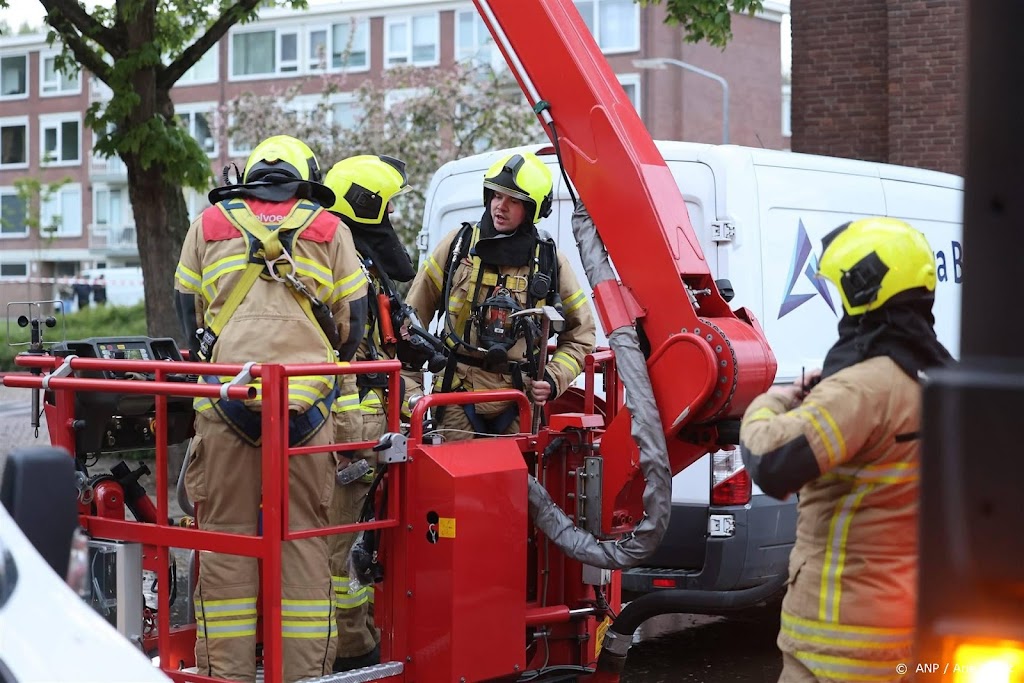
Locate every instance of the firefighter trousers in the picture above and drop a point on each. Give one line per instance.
(224, 481)
(357, 633)
(457, 426)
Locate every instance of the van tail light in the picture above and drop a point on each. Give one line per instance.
(730, 483)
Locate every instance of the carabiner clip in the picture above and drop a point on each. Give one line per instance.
(272, 263)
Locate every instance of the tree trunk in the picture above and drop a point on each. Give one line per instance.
(161, 221)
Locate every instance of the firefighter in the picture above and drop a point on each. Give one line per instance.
(364, 187)
(268, 275)
(850, 446)
(478, 277)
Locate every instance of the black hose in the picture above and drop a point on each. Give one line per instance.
(678, 602)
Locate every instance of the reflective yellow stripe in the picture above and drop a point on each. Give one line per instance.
(201, 404)
(231, 628)
(567, 361)
(305, 608)
(188, 279)
(211, 622)
(313, 269)
(349, 284)
(896, 636)
(434, 272)
(229, 603)
(344, 599)
(892, 473)
(761, 414)
(307, 629)
(833, 428)
(835, 553)
(848, 669)
(345, 403)
(574, 302)
(820, 634)
(835, 447)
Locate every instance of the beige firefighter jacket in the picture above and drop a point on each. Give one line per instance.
(350, 409)
(852, 450)
(269, 325)
(575, 341)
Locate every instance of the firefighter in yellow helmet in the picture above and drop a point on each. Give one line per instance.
(846, 439)
(478, 276)
(267, 275)
(364, 187)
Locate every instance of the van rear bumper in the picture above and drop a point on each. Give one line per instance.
(758, 551)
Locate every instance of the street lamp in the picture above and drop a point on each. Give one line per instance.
(663, 62)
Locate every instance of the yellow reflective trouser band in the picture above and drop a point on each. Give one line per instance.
(345, 597)
(812, 631)
(848, 669)
(316, 618)
(234, 618)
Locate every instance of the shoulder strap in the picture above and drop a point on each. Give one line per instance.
(548, 257)
(462, 241)
(237, 212)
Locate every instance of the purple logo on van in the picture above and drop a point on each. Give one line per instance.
(803, 263)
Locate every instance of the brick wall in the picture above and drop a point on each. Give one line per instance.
(879, 80)
(679, 105)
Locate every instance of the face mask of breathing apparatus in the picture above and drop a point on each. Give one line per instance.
(497, 331)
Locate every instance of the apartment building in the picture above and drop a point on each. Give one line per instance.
(88, 222)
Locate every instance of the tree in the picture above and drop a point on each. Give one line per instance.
(708, 20)
(424, 117)
(139, 49)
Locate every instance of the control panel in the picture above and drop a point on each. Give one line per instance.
(112, 422)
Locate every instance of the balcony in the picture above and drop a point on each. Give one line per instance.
(107, 170)
(120, 240)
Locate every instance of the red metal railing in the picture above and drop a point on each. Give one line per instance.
(275, 452)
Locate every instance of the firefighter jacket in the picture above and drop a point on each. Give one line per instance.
(270, 324)
(851, 450)
(426, 296)
(358, 396)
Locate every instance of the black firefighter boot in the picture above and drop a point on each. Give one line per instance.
(348, 663)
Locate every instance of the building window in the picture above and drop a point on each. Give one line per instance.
(288, 52)
(61, 139)
(206, 70)
(60, 213)
(13, 213)
(14, 76)
(474, 43)
(108, 205)
(14, 143)
(787, 107)
(350, 45)
(14, 270)
(253, 53)
(346, 113)
(196, 120)
(412, 40)
(53, 82)
(631, 85)
(615, 24)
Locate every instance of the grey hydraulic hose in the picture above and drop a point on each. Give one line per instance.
(646, 430)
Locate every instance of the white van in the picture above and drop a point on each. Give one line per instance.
(759, 216)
